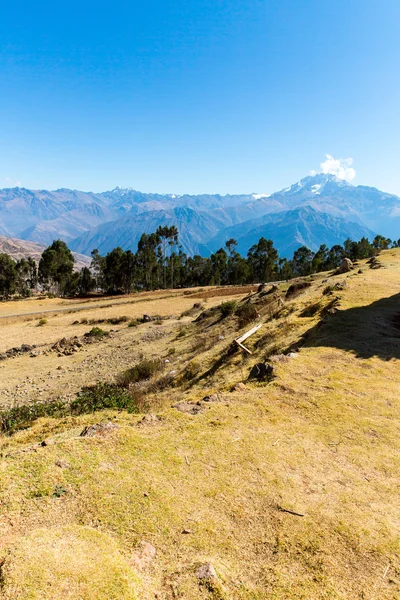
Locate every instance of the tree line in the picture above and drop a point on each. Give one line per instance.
(161, 263)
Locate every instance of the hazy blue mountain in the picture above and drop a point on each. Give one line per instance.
(87, 220)
(303, 226)
(194, 228)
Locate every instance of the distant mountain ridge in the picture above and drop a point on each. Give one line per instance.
(88, 220)
(18, 249)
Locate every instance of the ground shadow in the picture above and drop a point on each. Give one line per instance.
(372, 330)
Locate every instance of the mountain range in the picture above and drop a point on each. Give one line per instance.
(318, 209)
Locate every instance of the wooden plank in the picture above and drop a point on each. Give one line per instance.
(248, 333)
(243, 347)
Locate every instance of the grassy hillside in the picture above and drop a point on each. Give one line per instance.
(289, 488)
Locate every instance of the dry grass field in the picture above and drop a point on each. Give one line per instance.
(289, 488)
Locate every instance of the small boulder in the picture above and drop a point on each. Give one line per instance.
(146, 319)
(345, 266)
(149, 421)
(143, 556)
(99, 429)
(206, 572)
(213, 398)
(297, 288)
(240, 387)
(62, 464)
(262, 372)
(189, 408)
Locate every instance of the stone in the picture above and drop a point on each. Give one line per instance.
(62, 464)
(345, 266)
(189, 408)
(206, 572)
(262, 372)
(146, 319)
(240, 387)
(213, 398)
(143, 556)
(149, 421)
(99, 429)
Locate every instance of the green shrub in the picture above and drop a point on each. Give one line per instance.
(42, 322)
(96, 332)
(133, 323)
(102, 396)
(22, 416)
(227, 308)
(142, 371)
(192, 370)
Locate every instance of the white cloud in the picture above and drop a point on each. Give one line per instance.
(341, 167)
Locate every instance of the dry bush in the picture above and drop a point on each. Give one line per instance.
(246, 314)
(142, 371)
(153, 335)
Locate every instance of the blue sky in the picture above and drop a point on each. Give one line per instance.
(198, 95)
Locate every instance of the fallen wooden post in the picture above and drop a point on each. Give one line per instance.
(246, 335)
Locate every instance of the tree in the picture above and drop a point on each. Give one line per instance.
(86, 282)
(8, 276)
(56, 266)
(302, 261)
(97, 266)
(381, 243)
(263, 261)
(219, 263)
(113, 270)
(319, 258)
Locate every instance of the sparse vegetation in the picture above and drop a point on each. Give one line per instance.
(42, 322)
(234, 473)
(227, 308)
(247, 313)
(96, 332)
(142, 371)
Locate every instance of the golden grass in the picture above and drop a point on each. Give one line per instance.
(72, 563)
(320, 440)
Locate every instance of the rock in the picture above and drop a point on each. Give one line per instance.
(206, 572)
(62, 464)
(149, 420)
(146, 319)
(262, 372)
(297, 288)
(186, 531)
(99, 429)
(345, 266)
(213, 398)
(143, 556)
(240, 387)
(189, 408)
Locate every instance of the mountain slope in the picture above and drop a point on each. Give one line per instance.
(194, 228)
(289, 488)
(290, 229)
(18, 249)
